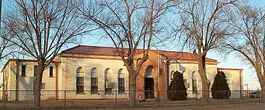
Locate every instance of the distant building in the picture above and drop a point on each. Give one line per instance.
(91, 72)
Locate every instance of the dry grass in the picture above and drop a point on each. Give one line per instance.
(231, 104)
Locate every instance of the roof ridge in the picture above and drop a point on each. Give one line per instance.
(70, 48)
(105, 50)
(79, 45)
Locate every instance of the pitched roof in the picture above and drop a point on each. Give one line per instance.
(111, 51)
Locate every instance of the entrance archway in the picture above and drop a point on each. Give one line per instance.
(149, 83)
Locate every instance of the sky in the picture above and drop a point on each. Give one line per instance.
(232, 60)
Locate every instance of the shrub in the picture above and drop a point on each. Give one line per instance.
(177, 90)
(220, 88)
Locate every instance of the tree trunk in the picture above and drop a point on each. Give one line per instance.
(37, 84)
(205, 90)
(263, 92)
(262, 84)
(202, 72)
(261, 80)
(132, 86)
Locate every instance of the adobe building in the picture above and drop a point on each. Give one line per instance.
(91, 72)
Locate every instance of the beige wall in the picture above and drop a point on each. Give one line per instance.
(10, 80)
(233, 76)
(234, 80)
(25, 84)
(189, 68)
(67, 76)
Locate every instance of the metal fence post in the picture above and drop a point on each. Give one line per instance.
(5, 99)
(260, 98)
(115, 99)
(196, 98)
(64, 98)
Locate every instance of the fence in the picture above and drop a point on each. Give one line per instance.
(115, 98)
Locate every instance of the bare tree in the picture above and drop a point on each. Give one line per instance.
(4, 44)
(250, 39)
(131, 25)
(203, 26)
(41, 28)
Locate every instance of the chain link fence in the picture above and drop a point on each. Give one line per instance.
(116, 99)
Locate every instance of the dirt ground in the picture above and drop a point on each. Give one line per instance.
(151, 105)
(208, 107)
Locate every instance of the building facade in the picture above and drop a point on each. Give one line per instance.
(90, 72)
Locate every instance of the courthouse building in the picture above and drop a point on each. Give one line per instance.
(91, 72)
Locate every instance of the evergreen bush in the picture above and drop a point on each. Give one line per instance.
(177, 89)
(220, 88)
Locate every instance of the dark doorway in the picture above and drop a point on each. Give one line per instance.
(149, 88)
(149, 83)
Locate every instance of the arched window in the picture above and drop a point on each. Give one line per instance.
(79, 80)
(121, 87)
(108, 82)
(194, 83)
(148, 73)
(229, 79)
(94, 81)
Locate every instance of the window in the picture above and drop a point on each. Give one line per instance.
(108, 83)
(121, 88)
(51, 71)
(35, 69)
(229, 79)
(94, 81)
(79, 81)
(186, 83)
(194, 83)
(79, 85)
(194, 86)
(148, 73)
(170, 77)
(23, 70)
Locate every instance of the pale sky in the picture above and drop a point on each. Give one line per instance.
(231, 61)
